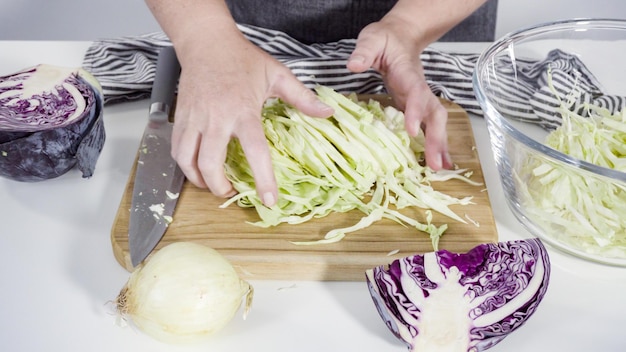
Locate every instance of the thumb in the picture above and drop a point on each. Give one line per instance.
(364, 54)
(291, 90)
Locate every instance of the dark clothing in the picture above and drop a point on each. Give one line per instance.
(324, 21)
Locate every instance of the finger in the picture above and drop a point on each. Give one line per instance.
(210, 159)
(436, 140)
(291, 90)
(423, 111)
(184, 151)
(415, 106)
(428, 112)
(365, 53)
(256, 149)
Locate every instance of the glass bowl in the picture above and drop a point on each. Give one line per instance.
(528, 84)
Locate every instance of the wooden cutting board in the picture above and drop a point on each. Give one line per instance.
(260, 254)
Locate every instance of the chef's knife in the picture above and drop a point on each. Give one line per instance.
(158, 180)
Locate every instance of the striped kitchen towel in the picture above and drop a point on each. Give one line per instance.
(125, 68)
(534, 90)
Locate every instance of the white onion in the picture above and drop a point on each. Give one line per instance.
(182, 293)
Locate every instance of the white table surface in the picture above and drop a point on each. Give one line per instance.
(59, 275)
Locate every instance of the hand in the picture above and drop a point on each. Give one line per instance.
(222, 89)
(392, 49)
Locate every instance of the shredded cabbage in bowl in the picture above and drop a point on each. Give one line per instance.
(582, 210)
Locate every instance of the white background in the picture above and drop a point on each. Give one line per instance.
(53, 294)
(92, 19)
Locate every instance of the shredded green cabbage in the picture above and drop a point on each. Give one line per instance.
(360, 158)
(585, 211)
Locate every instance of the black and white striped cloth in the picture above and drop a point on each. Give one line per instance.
(125, 68)
(532, 91)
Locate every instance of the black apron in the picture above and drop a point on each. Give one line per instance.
(325, 21)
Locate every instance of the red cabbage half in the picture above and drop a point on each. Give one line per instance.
(442, 301)
(50, 121)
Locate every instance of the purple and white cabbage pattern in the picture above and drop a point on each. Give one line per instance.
(51, 120)
(442, 301)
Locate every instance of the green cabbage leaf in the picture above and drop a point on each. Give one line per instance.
(360, 158)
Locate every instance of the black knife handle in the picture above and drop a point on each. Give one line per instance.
(164, 86)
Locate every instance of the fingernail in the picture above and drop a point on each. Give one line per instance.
(417, 126)
(268, 199)
(324, 107)
(357, 58)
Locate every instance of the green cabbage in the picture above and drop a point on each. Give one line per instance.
(584, 211)
(360, 158)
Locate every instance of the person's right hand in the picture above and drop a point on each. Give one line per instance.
(222, 89)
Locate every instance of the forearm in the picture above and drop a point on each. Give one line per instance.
(188, 20)
(430, 19)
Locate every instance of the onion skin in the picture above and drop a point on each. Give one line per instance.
(183, 293)
(30, 155)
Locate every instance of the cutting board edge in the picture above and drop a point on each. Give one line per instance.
(119, 253)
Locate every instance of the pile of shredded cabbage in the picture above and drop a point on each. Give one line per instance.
(588, 212)
(360, 158)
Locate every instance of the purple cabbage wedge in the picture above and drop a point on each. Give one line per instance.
(442, 301)
(50, 121)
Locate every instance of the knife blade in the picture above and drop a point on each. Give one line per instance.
(158, 179)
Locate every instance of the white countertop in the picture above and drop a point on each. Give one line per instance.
(59, 274)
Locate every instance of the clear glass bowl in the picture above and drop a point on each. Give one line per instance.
(511, 87)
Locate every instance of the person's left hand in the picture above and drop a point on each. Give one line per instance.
(392, 49)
